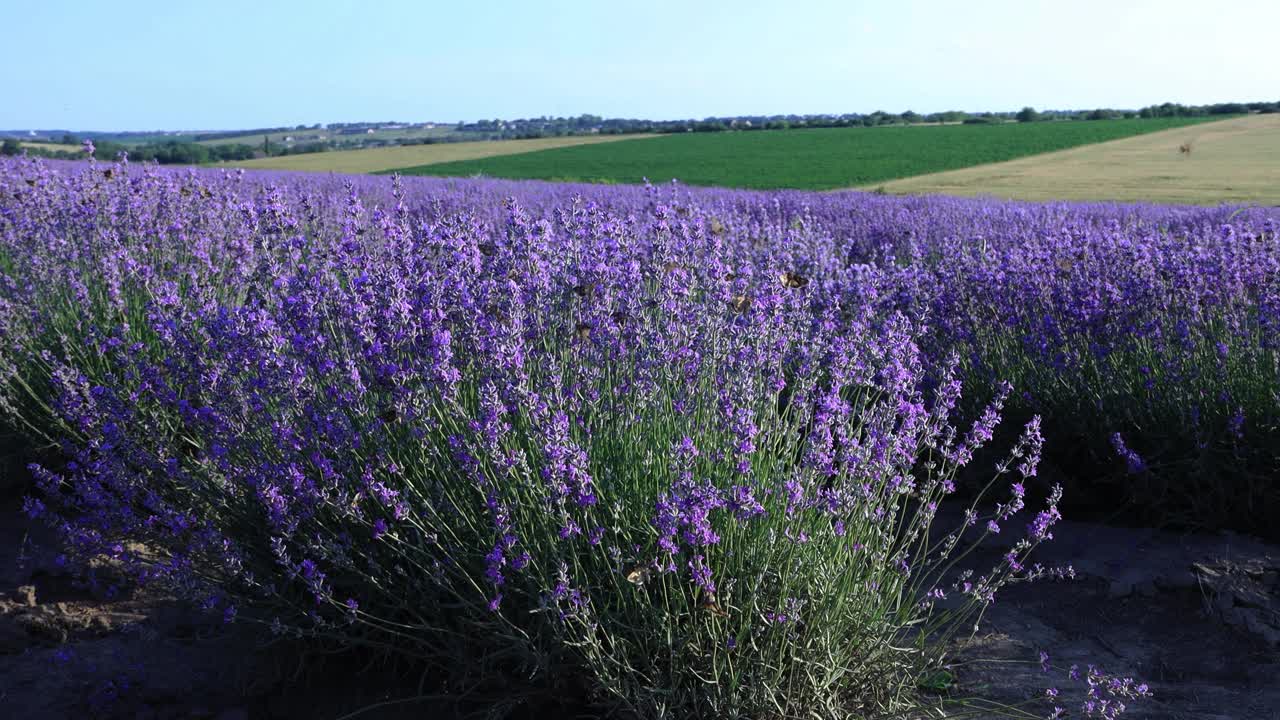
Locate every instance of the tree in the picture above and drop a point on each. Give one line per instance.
(1028, 114)
(10, 147)
(1228, 109)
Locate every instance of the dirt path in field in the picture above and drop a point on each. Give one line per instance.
(1197, 617)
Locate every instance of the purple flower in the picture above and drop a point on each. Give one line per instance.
(1133, 461)
(33, 507)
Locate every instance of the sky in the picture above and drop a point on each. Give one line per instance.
(148, 64)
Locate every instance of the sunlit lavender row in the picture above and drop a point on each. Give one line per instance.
(691, 444)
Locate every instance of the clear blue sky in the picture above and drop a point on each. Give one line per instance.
(175, 64)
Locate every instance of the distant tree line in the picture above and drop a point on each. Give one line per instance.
(170, 152)
(187, 150)
(1179, 110)
(198, 137)
(558, 126)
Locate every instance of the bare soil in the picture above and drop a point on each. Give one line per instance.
(1196, 616)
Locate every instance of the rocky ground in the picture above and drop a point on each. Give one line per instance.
(1195, 616)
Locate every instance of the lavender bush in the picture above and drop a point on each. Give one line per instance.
(614, 440)
(692, 443)
(1150, 343)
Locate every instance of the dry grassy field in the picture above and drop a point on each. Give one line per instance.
(57, 147)
(1236, 160)
(389, 158)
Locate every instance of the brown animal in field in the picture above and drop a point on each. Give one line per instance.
(1185, 148)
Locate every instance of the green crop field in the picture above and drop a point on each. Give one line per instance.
(817, 159)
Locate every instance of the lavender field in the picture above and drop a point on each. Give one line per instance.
(711, 453)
